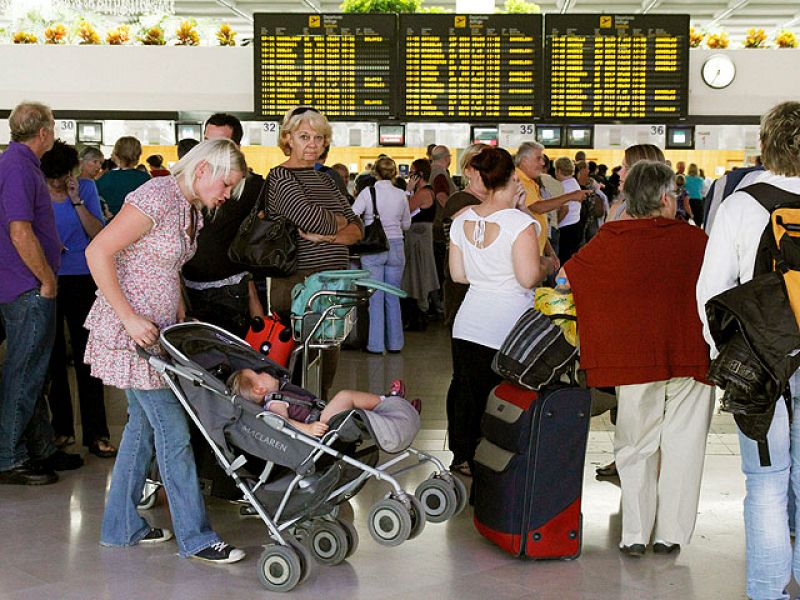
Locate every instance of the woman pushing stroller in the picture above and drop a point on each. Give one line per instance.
(268, 391)
(136, 261)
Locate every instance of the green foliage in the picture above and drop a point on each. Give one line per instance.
(380, 6)
(434, 10)
(521, 6)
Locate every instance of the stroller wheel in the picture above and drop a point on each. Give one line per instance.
(389, 522)
(306, 562)
(352, 537)
(439, 499)
(461, 494)
(327, 541)
(280, 568)
(149, 495)
(418, 517)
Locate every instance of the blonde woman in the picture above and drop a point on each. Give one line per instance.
(136, 262)
(119, 182)
(633, 154)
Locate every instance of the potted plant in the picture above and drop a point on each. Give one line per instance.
(786, 39)
(23, 37)
(152, 36)
(756, 38)
(187, 33)
(87, 34)
(226, 36)
(55, 34)
(718, 40)
(695, 37)
(119, 36)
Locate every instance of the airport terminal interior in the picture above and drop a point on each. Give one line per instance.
(566, 76)
(51, 533)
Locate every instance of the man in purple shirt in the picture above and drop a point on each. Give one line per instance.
(30, 254)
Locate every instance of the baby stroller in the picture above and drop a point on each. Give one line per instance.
(303, 479)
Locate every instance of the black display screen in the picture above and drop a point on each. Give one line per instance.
(344, 65)
(616, 67)
(470, 67)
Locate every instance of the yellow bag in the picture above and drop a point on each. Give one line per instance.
(560, 307)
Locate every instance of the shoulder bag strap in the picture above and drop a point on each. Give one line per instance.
(372, 193)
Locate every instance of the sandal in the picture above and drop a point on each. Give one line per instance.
(461, 468)
(102, 448)
(62, 441)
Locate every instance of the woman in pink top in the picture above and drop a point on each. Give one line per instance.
(136, 261)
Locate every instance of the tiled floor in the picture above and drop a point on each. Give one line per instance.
(50, 535)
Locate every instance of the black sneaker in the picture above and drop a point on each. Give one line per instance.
(61, 461)
(156, 535)
(220, 553)
(28, 474)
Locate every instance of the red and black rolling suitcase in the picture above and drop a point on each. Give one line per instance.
(528, 472)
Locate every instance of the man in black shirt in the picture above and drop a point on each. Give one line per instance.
(220, 291)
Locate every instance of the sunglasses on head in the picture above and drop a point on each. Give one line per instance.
(301, 110)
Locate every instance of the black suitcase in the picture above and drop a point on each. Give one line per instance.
(528, 472)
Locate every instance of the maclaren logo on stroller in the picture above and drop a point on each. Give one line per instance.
(264, 439)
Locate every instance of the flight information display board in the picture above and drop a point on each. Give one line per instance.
(616, 67)
(343, 65)
(470, 67)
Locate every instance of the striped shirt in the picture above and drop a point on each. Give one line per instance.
(310, 200)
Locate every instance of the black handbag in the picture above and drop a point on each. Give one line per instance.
(265, 242)
(374, 240)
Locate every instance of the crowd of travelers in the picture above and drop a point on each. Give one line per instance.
(111, 253)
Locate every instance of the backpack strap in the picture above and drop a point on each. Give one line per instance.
(770, 196)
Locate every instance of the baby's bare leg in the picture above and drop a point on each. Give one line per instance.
(348, 399)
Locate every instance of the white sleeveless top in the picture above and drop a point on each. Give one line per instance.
(495, 299)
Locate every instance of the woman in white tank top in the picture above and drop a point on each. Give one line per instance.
(493, 248)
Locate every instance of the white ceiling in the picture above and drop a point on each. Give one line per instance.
(734, 16)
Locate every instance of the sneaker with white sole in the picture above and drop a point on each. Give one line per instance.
(156, 535)
(220, 553)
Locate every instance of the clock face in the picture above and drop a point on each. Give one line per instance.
(718, 71)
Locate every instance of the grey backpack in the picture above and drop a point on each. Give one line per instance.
(535, 352)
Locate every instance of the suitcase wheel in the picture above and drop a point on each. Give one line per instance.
(439, 497)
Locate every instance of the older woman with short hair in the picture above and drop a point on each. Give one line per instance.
(653, 352)
(385, 321)
(313, 202)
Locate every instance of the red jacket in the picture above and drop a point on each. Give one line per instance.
(634, 288)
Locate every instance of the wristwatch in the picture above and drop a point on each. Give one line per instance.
(78, 203)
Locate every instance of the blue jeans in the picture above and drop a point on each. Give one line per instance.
(156, 414)
(25, 430)
(770, 559)
(385, 322)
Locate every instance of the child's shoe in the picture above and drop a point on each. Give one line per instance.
(397, 388)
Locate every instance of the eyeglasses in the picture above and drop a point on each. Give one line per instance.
(301, 110)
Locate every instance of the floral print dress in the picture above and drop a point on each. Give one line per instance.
(149, 274)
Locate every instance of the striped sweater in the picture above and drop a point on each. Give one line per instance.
(310, 200)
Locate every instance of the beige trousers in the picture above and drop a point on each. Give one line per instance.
(659, 447)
